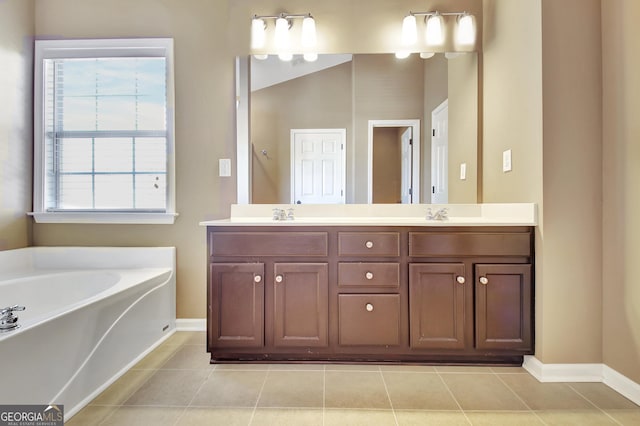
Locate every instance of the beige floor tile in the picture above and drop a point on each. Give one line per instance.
(123, 388)
(143, 416)
(229, 388)
(157, 358)
(545, 396)
(503, 418)
(509, 370)
(243, 367)
(353, 367)
(352, 389)
(462, 369)
(293, 389)
(296, 367)
(422, 418)
(195, 338)
(626, 417)
(91, 415)
(482, 392)
(189, 357)
(593, 417)
(180, 338)
(169, 387)
(418, 392)
(603, 396)
(198, 416)
(408, 368)
(359, 418)
(287, 417)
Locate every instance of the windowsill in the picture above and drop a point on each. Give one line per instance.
(123, 218)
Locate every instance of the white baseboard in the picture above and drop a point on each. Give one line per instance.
(583, 373)
(191, 324)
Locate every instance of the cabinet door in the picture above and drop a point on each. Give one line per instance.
(503, 307)
(437, 317)
(236, 305)
(301, 304)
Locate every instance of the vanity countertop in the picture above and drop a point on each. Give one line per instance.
(508, 214)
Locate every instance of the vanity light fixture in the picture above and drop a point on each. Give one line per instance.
(435, 35)
(282, 38)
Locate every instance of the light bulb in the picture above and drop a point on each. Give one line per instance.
(435, 30)
(258, 37)
(466, 30)
(409, 30)
(426, 55)
(310, 56)
(308, 32)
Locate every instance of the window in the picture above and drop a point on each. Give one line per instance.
(103, 131)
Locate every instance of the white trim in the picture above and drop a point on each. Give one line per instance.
(417, 142)
(577, 373)
(191, 324)
(137, 218)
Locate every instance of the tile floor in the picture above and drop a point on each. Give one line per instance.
(176, 385)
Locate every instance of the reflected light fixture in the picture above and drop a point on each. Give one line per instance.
(282, 42)
(435, 32)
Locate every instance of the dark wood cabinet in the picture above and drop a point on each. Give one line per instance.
(370, 293)
(439, 298)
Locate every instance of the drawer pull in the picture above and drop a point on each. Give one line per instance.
(257, 278)
(368, 244)
(279, 278)
(369, 275)
(484, 280)
(369, 307)
(460, 279)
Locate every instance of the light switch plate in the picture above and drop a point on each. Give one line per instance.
(463, 171)
(506, 161)
(224, 165)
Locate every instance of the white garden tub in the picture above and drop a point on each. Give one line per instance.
(91, 313)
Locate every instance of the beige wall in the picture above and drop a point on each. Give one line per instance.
(621, 198)
(16, 82)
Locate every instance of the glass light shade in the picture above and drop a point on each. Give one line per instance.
(258, 36)
(435, 30)
(427, 55)
(466, 30)
(282, 33)
(261, 57)
(310, 57)
(409, 30)
(403, 54)
(308, 32)
(285, 56)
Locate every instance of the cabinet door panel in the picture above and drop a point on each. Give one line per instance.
(301, 304)
(369, 319)
(503, 307)
(236, 310)
(437, 305)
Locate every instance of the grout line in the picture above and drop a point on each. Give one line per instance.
(454, 397)
(521, 400)
(393, 410)
(593, 403)
(255, 407)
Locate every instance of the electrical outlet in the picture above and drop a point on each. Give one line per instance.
(506, 161)
(463, 171)
(224, 164)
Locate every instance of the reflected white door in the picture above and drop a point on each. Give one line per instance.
(407, 160)
(318, 165)
(440, 154)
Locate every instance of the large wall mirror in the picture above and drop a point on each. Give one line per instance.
(358, 128)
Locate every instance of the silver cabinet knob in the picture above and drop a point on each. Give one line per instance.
(460, 279)
(369, 275)
(257, 278)
(368, 244)
(369, 307)
(279, 278)
(484, 280)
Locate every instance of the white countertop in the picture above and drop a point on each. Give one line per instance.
(508, 214)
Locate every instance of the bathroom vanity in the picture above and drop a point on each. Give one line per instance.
(372, 283)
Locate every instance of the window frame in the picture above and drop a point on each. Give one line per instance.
(91, 48)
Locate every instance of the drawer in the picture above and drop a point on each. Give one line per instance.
(368, 244)
(268, 244)
(369, 275)
(441, 244)
(369, 319)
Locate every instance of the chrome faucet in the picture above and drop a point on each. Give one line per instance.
(281, 214)
(440, 214)
(8, 321)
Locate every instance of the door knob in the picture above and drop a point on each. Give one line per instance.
(369, 275)
(484, 280)
(368, 244)
(257, 278)
(369, 307)
(279, 278)
(460, 279)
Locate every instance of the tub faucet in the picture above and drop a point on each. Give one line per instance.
(8, 321)
(440, 214)
(281, 214)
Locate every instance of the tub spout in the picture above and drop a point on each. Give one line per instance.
(8, 321)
